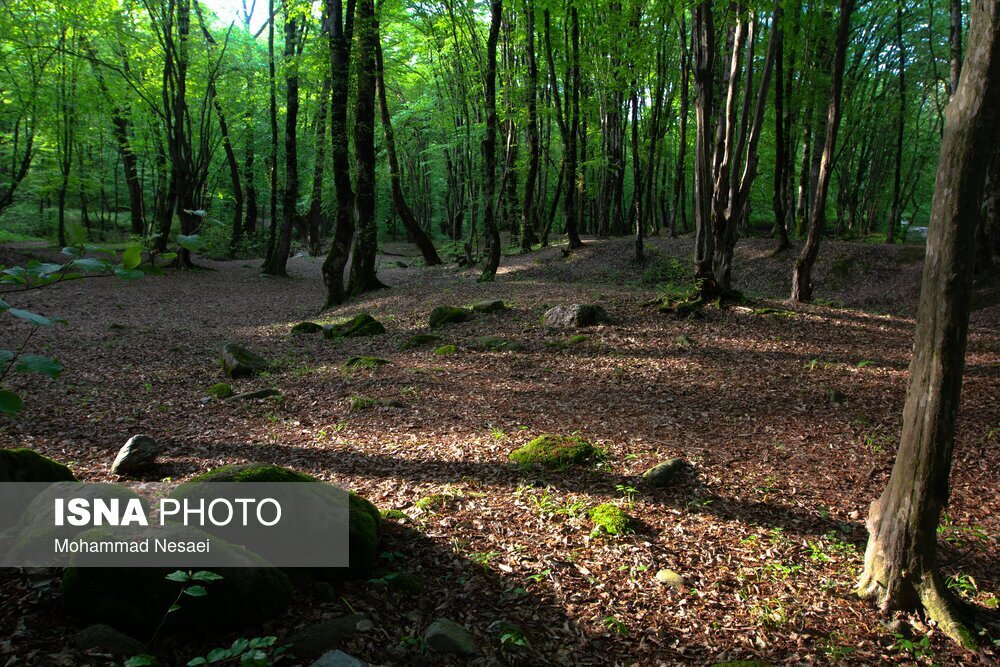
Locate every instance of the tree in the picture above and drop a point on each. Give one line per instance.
(901, 570)
(490, 147)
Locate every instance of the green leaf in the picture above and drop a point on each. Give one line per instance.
(140, 661)
(43, 270)
(205, 575)
(90, 265)
(197, 661)
(132, 257)
(10, 403)
(196, 591)
(193, 243)
(262, 642)
(15, 275)
(218, 655)
(127, 274)
(36, 363)
(72, 251)
(4, 306)
(254, 659)
(178, 575)
(34, 318)
(173, 608)
(168, 256)
(239, 646)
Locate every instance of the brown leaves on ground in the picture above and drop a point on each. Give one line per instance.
(790, 418)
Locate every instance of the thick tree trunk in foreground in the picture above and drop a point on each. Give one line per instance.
(417, 235)
(901, 571)
(363, 278)
(341, 28)
(490, 148)
(802, 287)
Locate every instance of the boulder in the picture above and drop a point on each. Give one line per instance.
(663, 474)
(555, 451)
(25, 465)
(322, 637)
(419, 340)
(249, 395)
(448, 637)
(445, 315)
(338, 658)
(576, 315)
(498, 344)
(239, 362)
(220, 390)
(137, 456)
(134, 599)
(106, 639)
(356, 327)
(307, 328)
(488, 307)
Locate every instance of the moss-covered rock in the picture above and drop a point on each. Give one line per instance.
(554, 451)
(220, 390)
(419, 340)
(307, 328)
(314, 640)
(135, 599)
(489, 307)
(255, 394)
(445, 315)
(498, 344)
(364, 518)
(446, 350)
(358, 326)
(611, 519)
(105, 639)
(239, 362)
(576, 315)
(365, 362)
(25, 465)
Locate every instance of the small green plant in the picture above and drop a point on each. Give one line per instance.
(962, 584)
(256, 652)
(359, 403)
(483, 558)
(614, 624)
(628, 493)
(914, 649)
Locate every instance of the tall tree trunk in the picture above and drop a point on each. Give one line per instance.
(704, 57)
(490, 148)
(272, 166)
(680, 208)
(574, 127)
(901, 570)
(416, 234)
(779, 203)
(802, 287)
(896, 217)
(315, 217)
(955, 45)
(362, 277)
(341, 30)
(528, 235)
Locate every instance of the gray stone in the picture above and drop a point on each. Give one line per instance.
(239, 362)
(663, 474)
(248, 395)
(446, 636)
(671, 579)
(338, 659)
(576, 315)
(491, 306)
(137, 456)
(106, 639)
(326, 636)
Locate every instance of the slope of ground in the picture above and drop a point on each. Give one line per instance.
(790, 420)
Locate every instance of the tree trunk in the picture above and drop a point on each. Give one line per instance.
(955, 45)
(802, 287)
(315, 218)
(779, 201)
(528, 235)
(896, 217)
(679, 172)
(704, 56)
(272, 166)
(362, 277)
(901, 570)
(490, 148)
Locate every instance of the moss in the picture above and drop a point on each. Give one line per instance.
(579, 338)
(306, 328)
(220, 390)
(419, 340)
(555, 451)
(395, 515)
(683, 341)
(489, 307)
(365, 362)
(359, 403)
(434, 501)
(444, 315)
(356, 327)
(446, 350)
(612, 519)
(25, 465)
(402, 582)
(253, 472)
(498, 344)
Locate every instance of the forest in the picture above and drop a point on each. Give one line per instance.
(624, 332)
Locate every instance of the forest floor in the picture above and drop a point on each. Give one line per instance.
(789, 417)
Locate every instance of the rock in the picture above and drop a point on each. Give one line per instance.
(106, 639)
(365, 520)
(835, 395)
(662, 474)
(612, 519)
(671, 579)
(488, 307)
(358, 326)
(220, 390)
(239, 362)
(446, 636)
(137, 456)
(338, 659)
(247, 395)
(555, 451)
(133, 599)
(498, 344)
(25, 465)
(419, 340)
(446, 350)
(324, 591)
(444, 315)
(365, 362)
(322, 637)
(307, 328)
(576, 315)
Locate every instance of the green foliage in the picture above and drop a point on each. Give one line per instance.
(446, 350)
(611, 520)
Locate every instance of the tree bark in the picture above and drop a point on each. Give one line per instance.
(528, 234)
(779, 201)
(490, 148)
(704, 57)
(901, 570)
